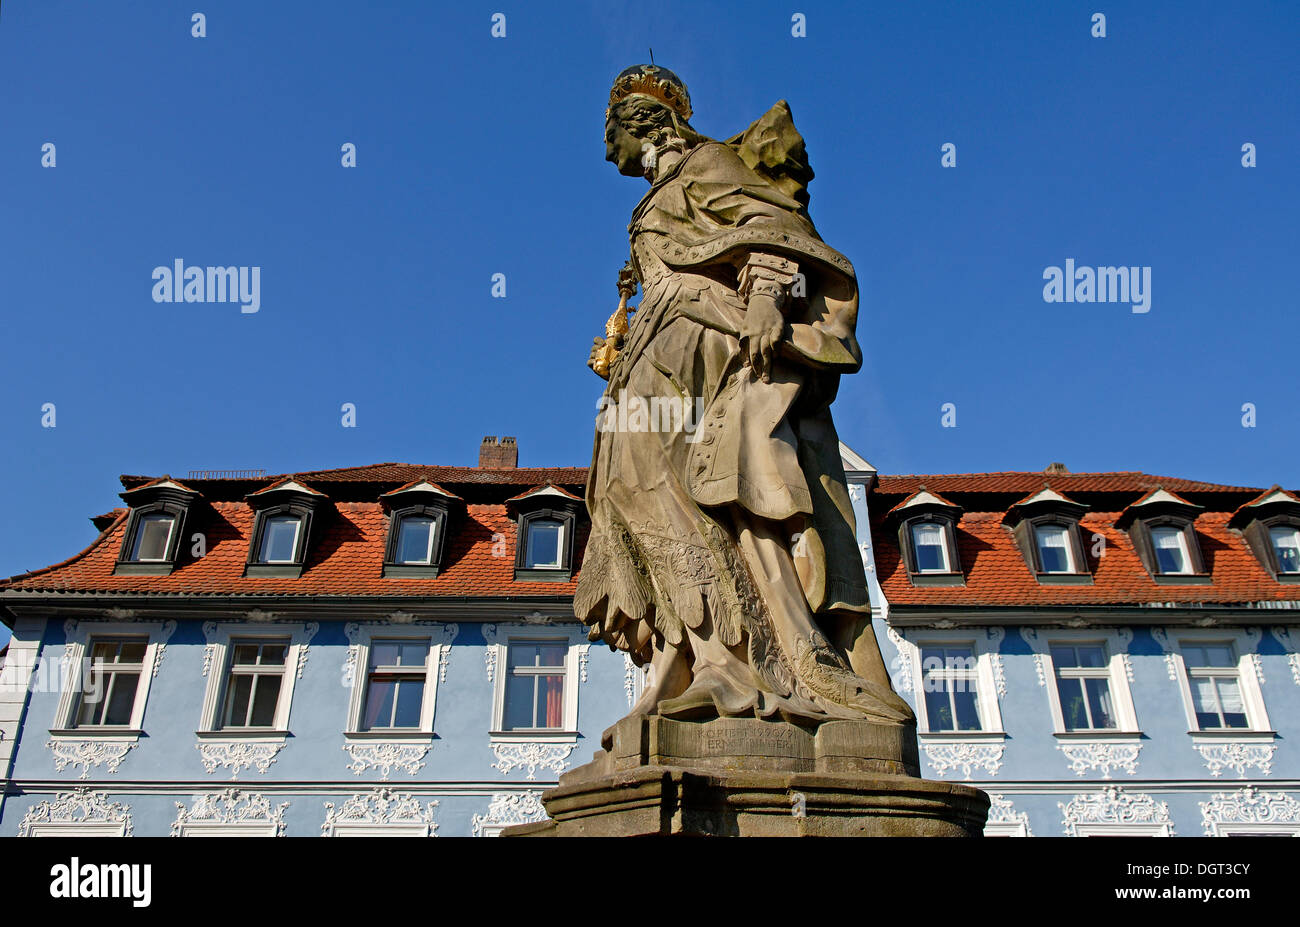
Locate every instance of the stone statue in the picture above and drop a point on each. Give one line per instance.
(723, 548)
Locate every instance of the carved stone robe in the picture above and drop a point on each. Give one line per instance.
(730, 532)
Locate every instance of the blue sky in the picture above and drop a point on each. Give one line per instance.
(479, 155)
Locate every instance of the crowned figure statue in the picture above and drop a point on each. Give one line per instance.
(723, 549)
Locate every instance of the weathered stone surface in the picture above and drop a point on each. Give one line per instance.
(745, 777)
(671, 801)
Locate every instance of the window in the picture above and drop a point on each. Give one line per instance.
(111, 665)
(151, 543)
(535, 686)
(1086, 675)
(930, 547)
(1216, 687)
(1083, 686)
(256, 676)
(536, 673)
(927, 538)
(415, 536)
(1217, 675)
(111, 682)
(283, 517)
(418, 517)
(1170, 550)
(251, 667)
(153, 537)
(1286, 547)
(546, 528)
(279, 539)
(950, 683)
(544, 543)
(393, 671)
(395, 684)
(1046, 529)
(1053, 543)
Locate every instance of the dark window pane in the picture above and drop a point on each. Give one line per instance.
(414, 654)
(1072, 706)
(1064, 657)
(415, 539)
(550, 701)
(523, 654)
(1091, 655)
(384, 653)
(968, 716)
(274, 654)
(264, 701)
(245, 655)
(379, 703)
(121, 698)
(1103, 713)
(519, 702)
(551, 654)
(104, 652)
(237, 694)
(92, 698)
(410, 694)
(131, 652)
(937, 709)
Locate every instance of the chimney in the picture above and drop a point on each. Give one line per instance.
(1056, 468)
(504, 453)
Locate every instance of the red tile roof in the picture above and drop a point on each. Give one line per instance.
(996, 574)
(345, 559)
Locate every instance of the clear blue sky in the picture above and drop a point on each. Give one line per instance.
(479, 155)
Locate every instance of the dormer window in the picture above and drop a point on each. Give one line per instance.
(153, 530)
(1271, 526)
(1046, 528)
(418, 515)
(927, 537)
(1161, 524)
(547, 522)
(283, 518)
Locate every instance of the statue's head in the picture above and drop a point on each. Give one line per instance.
(648, 115)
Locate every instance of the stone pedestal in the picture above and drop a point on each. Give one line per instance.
(746, 777)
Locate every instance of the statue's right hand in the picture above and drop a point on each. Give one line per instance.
(597, 350)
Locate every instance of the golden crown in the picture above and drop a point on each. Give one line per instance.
(652, 81)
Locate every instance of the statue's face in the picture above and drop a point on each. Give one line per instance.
(622, 149)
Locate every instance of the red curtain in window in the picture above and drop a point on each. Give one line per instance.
(554, 701)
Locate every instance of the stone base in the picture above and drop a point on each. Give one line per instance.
(746, 777)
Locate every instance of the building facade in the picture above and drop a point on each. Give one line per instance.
(391, 650)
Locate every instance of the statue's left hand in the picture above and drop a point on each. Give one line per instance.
(760, 333)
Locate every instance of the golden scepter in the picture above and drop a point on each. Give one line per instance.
(616, 327)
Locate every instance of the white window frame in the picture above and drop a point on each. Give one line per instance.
(498, 639)
(1295, 531)
(1245, 642)
(985, 678)
(172, 519)
(264, 540)
(429, 547)
(78, 635)
(1122, 830)
(361, 637)
(941, 527)
(216, 667)
(1116, 642)
(1181, 534)
(1072, 568)
(559, 545)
